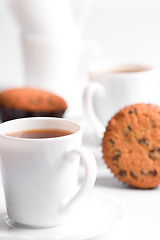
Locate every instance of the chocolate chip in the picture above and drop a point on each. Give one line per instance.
(112, 142)
(122, 173)
(116, 157)
(152, 123)
(132, 111)
(127, 130)
(157, 149)
(143, 142)
(133, 175)
(116, 154)
(153, 154)
(152, 173)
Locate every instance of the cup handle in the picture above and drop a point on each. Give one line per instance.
(89, 162)
(89, 108)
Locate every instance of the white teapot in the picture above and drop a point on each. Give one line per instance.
(49, 16)
(52, 44)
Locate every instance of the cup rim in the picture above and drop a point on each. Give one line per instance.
(60, 138)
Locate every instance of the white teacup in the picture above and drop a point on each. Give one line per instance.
(112, 87)
(40, 175)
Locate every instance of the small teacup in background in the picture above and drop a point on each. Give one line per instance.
(40, 175)
(115, 86)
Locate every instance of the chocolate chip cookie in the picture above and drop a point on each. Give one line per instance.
(131, 145)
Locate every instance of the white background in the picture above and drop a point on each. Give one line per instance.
(127, 30)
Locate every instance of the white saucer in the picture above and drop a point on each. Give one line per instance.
(97, 215)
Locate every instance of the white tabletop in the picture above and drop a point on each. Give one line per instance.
(141, 220)
(143, 206)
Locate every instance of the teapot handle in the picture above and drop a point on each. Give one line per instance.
(88, 4)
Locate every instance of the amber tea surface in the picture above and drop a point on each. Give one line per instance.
(39, 133)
